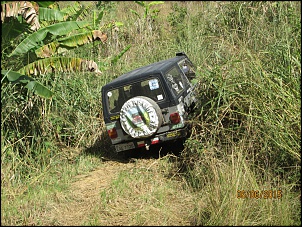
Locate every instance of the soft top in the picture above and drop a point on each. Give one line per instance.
(145, 71)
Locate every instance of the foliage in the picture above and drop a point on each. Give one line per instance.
(246, 134)
(27, 54)
(147, 5)
(29, 11)
(146, 21)
(57, 29)
(177, 21)
(31, 84)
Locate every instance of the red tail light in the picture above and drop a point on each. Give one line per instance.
(112, 133)
(174, 118)
(141, 144)
(155, 140)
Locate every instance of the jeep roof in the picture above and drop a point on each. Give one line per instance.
(146, 71)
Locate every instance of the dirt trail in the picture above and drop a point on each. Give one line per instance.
(149, 197)
(85, 193)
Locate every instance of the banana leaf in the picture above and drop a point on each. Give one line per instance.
(71, 42)
(28, 10)
(84, 12)
(59, 64)
(46, 14)
(28, 82)
(60, 29)
(47, 50)
(45, 3)
(73, 10)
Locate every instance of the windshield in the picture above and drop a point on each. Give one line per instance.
(188, 69)
(177, 81)
(151, 88)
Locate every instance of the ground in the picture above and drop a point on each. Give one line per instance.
(146, 197)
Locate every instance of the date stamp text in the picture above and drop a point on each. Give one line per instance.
(259, 194)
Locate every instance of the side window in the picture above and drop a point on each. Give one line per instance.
(176, 80)
(187, 68)
(116, 99)
(113, 96)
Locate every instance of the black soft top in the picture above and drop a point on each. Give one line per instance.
(145, 71)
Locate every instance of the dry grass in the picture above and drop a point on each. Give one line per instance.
(133, 193)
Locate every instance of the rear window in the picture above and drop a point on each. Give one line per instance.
(151, 88)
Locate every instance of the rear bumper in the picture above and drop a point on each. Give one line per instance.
(159, 138)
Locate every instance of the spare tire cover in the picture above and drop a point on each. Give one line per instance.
(140, 117)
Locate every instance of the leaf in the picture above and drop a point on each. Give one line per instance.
(60, 29)
(46, 14)
(11, 75)
(116, 58)
(155, 3)
(84, 12)
(31, 84)
(71, 42)
(28, 10)
(133, 11)
(141, 3)
(97, 34)
(118, 24)
(99, 18)
(40, 90)
(83, 38)
(45, 3)
(47, 50)
(59, 64)
(72, 10)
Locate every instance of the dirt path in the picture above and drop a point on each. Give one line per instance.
(148, 196)
(84, 202)
(85, 192)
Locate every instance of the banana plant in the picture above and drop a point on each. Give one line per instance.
(146, 20)
(46, 14)
(49, 41)
(61, 29)
(147, 6)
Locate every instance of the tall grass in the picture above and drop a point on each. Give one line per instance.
(252, 92)
(246, 133)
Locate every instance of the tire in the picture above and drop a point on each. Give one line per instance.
(140, 117)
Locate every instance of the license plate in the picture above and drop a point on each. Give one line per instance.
(125, 146)
(173, 134)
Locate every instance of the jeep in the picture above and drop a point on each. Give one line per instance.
(150, 104)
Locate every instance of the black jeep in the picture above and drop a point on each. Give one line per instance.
(150, 105)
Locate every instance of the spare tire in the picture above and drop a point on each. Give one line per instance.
(140, 117)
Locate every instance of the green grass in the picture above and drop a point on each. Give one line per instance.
(246, 133)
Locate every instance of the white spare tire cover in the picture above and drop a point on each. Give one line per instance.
(140, 117)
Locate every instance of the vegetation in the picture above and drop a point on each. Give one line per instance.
(246, 134)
